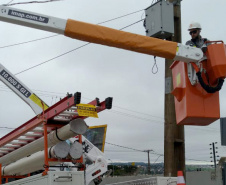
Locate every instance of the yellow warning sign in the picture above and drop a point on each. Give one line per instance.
(87, 110)
(37, 101)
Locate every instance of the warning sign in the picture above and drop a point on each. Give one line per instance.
(87, 110)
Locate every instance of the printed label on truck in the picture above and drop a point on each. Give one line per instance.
(15, 83)
(28, 16)
(86, 146)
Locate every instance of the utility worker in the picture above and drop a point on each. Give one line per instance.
(196, 39)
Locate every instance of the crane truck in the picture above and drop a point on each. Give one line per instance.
(195, 94)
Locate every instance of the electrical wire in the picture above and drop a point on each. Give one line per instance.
(5, 89)
(157, 159)
(7, 128)
(53, 58)
(30, 2)
(10, 2)
(124, 147)
(121, 16)
(153, 152)
(66, 52)
(126, 114)
(1, 47)
(140, 112)
(131, 24)
(137, 117)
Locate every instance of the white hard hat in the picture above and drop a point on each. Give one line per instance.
(194, 25)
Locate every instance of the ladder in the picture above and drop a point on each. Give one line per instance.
(56, 116)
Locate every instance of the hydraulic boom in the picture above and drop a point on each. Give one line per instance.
(102, 35)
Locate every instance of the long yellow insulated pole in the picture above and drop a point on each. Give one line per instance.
(120, 39)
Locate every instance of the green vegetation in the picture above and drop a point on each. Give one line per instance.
(139, 168)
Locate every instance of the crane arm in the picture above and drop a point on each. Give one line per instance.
(22, 90)
(102, 35)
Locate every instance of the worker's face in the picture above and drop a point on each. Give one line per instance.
(194, 33)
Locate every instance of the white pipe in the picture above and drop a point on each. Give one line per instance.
(35, 162)
(76, 150)
(60, 150)
(75, 127)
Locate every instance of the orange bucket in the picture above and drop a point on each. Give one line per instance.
(216, 61)
(194, 106)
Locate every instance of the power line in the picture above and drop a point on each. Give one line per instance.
(7, 128)
(139, 112)
(157, 158)
(1, 47)
(153, 152)
(68, 52)
(131, 24)
(121, 16)
(124, 147)
(20, 43)
(137, 117)
(30, 2)
(123, 113)
(115, 111)
(53, 58)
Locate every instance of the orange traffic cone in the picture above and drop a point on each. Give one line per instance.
(180, 178)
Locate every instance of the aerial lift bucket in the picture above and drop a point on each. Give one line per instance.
(193, 105)
(197, 104)
(216, 61)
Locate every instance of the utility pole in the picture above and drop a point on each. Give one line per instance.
(149, 165)
(174, 145)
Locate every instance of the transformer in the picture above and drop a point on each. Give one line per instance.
(159, 21)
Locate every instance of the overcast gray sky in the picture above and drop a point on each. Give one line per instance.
(137, 117)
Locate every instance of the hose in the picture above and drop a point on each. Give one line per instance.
(208, 88)
(205, 86)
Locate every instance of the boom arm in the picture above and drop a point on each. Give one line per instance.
(22, 90)
(102, 35)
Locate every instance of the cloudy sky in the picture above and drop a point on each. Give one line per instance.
(137, 117)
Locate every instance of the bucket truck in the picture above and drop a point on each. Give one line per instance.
(195, 95)
(190, 77)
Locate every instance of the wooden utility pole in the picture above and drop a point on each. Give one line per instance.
(149, 165)
(174, 146)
